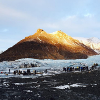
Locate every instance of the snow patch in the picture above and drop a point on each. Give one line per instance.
(94, 40)
(54, 32)
(69, 86)
(91, 40)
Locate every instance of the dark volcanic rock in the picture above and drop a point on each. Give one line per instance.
(43, 88)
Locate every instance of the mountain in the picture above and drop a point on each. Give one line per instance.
(93, 43)
(42, 45)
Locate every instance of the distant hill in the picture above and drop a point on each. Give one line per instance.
(93, 43)
(42, 45)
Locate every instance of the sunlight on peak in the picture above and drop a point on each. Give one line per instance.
(59, 33)
(54, 32)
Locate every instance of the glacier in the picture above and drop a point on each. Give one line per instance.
(53, 66)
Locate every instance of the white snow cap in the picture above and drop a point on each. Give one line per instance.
(92, 39)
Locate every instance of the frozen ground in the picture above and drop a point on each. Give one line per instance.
(65, 86)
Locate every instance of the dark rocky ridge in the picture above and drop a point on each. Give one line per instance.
(32, 49)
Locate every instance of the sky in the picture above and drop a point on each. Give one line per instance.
(21, 18)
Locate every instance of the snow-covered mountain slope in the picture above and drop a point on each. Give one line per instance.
(93, 43)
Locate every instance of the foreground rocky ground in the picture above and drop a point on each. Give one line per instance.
(43, 88)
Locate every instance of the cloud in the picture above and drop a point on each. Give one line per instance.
(69, 16)
(77, 25)
(15, 19)
(7, 12)
(50, 25)
(4, 30)
(88, 15)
